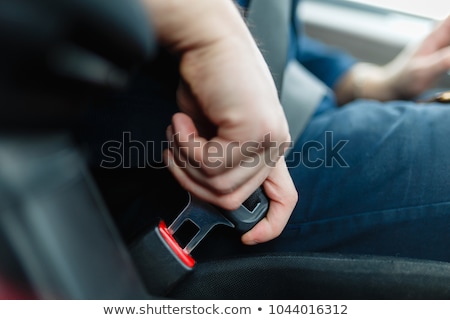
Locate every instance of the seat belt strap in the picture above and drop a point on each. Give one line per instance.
(301, 94)
(300, 91)
(268, 21)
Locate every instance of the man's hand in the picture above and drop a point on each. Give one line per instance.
(415, 69)
(232, 132)
(411, 73)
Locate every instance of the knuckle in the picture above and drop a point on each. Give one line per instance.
(230, 202)
(221, 186)
(293, 197)
(274, 232)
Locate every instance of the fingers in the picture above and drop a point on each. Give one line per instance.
(436, 40)
(413, 74)
(423, 71)
(212, 156)
(440, 36)
(224, 185)
(283, 197)
(438, 62)
(228, 200)
(220, 172)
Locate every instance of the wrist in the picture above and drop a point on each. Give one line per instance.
(366, 81)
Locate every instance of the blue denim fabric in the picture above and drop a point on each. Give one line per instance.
(390, 197)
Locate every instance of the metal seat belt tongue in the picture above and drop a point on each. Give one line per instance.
(159, 257)
(206, 216)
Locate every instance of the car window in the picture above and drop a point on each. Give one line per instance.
(369, 32)
(432, 9)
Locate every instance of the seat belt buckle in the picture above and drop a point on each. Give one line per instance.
(160, 260)
(163, 262)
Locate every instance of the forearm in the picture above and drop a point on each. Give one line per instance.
(185, 25)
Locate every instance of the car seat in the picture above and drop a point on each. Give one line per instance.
(58, 239)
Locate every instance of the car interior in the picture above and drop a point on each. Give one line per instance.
(69, 230)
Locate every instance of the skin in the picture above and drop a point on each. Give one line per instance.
(226, 96)
(411, 73)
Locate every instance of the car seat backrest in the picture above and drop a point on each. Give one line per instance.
(56, 52)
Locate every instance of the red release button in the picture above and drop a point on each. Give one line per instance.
(173, 244)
